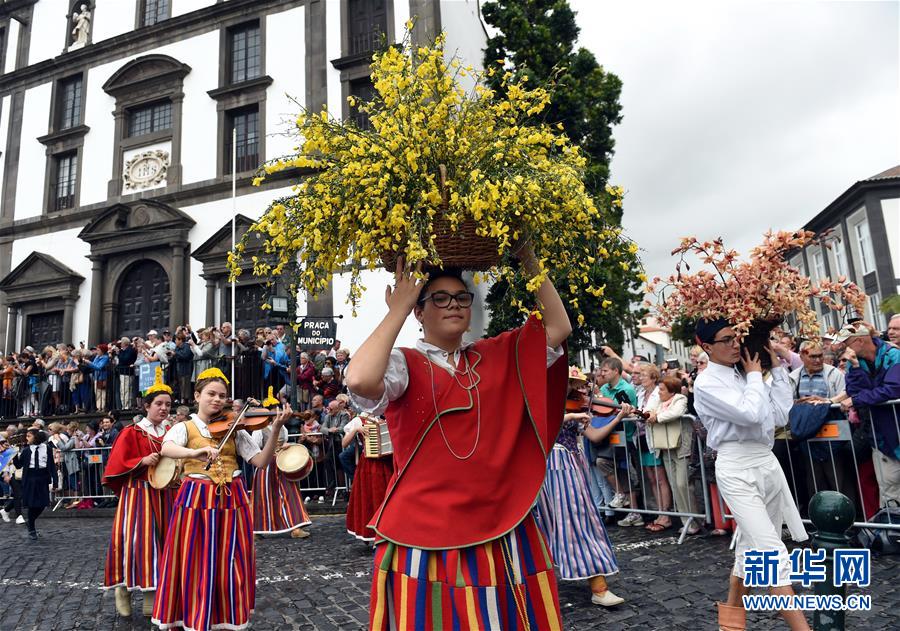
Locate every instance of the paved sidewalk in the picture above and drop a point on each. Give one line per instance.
(322, 583)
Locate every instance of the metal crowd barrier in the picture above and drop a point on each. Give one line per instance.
(831, 460)
(632, 452)
(805, 464)
(87, 484)
(328, 474)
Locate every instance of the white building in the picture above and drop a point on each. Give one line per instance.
(656, 344)
(115, 133)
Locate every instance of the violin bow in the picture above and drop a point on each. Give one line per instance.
(231, 430)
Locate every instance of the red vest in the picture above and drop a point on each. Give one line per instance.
(436, 500)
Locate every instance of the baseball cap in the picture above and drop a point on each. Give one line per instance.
(853, 329)
(152, 332)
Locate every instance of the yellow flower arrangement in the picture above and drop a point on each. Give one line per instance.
(433, 151)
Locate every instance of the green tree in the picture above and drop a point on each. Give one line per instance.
(536, 38)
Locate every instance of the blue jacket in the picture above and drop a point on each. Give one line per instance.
(870, 385)
(99, 366)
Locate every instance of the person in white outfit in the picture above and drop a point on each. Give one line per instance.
(741, 411)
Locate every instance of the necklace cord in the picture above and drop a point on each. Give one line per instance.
(474, 380)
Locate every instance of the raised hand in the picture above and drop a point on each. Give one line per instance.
(405, 293)
(750, 361)
(284, 413)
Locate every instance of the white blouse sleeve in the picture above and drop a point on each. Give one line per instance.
(356, 423)
(553, 354)
(259, 437)
(245, 445)
(396, 380)
(177, 434)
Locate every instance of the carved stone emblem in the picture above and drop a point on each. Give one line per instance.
(145, 169)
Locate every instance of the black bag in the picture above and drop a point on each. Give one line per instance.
(20, 387)
(882, 540)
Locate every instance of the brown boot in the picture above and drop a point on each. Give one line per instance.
(732, 618)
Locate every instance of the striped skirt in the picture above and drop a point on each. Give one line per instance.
(138, 534)
(370, 483)
(277, 503)
(504, 584)
(570, 519)
(208, 570)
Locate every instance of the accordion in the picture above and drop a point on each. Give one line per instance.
(378, 441)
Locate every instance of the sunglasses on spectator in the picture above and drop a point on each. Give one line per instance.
(816, 357)
(442, 299)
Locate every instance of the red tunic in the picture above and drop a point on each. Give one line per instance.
(436, 500)
(132, 444)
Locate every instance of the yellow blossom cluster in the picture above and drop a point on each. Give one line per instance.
(377, 188)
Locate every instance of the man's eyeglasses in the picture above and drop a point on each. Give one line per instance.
(442, 299)
(816, 357)
(728, 339)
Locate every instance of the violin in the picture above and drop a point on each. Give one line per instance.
(224, 426)
(251, 420)
(599, 406)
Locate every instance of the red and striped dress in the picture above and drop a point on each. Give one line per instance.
(208, 568)
(457, 546)
(142, 516)
(277, 503)
(370, 483)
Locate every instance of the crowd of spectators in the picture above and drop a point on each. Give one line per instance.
(64, 380)
(844, 378)
(659, 472)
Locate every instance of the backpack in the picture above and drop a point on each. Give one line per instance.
(882, 540)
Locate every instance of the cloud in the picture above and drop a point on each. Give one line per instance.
(744, 116)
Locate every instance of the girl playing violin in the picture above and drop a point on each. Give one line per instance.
(139, 527)
(208, 568)
(565, 511)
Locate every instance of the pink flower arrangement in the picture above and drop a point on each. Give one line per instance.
(766, 287)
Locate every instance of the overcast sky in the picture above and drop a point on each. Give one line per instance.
(740, 116)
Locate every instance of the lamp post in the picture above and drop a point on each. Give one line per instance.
(282, 313)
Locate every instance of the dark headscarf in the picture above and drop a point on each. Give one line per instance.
(705, 330)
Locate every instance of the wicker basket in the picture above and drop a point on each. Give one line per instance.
(462, 248)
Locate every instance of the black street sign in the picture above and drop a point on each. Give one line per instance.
(317, 334)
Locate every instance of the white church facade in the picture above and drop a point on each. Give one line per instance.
(116, 127)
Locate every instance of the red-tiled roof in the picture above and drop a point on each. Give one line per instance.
(884, 175)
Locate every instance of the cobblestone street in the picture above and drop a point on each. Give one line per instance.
(323, 582)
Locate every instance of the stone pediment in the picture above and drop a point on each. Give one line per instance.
(213, 252)
(220, 242)
(38, 277)
(144, 219)
(140, 72)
